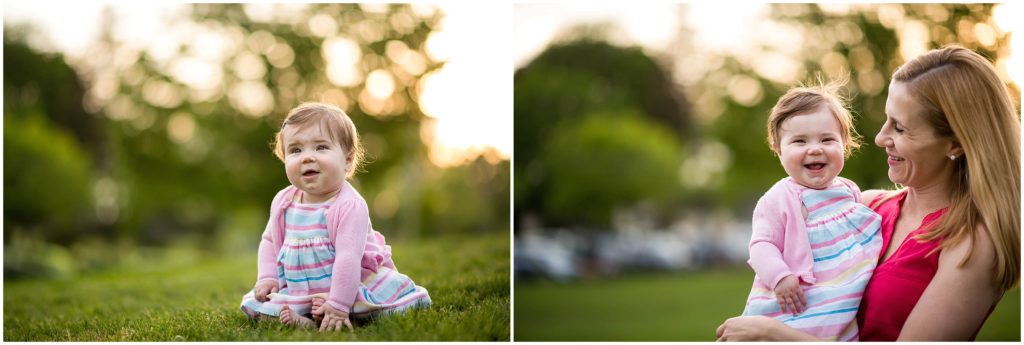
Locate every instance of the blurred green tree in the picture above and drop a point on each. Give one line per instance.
(168, 142)
(557, 94)
(606, 161)
(865, 43)
(47, 162)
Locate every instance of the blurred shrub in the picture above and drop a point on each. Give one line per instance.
(606, 161)
(26, 255)
(468, 198)
(46, 178)
(573, 169)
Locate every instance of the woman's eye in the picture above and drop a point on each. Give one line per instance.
(896, 127)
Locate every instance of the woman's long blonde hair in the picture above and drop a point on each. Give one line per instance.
(965, 100)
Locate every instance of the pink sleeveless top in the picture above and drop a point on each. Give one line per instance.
(898, 282)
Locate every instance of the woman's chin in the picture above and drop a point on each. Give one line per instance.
(897, 178)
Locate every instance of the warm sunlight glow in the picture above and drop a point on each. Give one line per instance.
(1006, 16)
(380, 85)
(251, 98)
(342, 55)
(1006, 20)
(653, 25)
(724, 25)
(464, 125)
(913, 39)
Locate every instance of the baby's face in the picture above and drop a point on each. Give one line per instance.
(313, 162)
(811, 148)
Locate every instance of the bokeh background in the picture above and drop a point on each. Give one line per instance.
(641, 152)
(137, 139)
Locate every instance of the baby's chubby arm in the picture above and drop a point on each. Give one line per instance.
(266, 260)
(266, 282)
(766, 243)
(349, 244)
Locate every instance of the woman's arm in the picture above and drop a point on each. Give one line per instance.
(759, 328)
(958, 299)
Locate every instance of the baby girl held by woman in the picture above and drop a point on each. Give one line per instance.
(814, 245)
(320, 259)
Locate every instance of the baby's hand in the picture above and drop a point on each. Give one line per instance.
(318, 312)
(790, 295)
(333, 319)
(264, 288)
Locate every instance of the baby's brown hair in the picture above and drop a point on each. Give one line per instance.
(339, 127)
(805, 99)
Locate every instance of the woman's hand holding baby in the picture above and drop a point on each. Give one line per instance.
(333, 319)
(264, 288)
(790, 296)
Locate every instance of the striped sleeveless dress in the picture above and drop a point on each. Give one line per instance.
(305, 265)
(845, 242)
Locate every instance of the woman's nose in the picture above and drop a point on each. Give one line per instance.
(881, 139)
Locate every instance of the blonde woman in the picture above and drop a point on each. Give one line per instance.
(951, 235)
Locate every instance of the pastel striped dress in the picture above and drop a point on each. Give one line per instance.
(845, 242)
(305, 265)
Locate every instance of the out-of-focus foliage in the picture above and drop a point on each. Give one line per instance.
(46, 177)
(862, 42)
(585, 112)
(46, 170)
(623, 159)
(171, 142)
(726, 163)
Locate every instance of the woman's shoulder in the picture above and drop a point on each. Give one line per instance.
(870, 195)
(979, 252)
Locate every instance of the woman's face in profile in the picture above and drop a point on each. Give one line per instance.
(916, 156)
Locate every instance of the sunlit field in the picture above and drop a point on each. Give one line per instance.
(665, 307)
(468, 280)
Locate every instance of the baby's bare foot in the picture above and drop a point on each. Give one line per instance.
(292, 319)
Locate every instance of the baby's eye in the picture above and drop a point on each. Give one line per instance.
(829, 140)
(798, 141)
(321, 147)
(294, 150)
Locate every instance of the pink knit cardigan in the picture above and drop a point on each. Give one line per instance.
(359, 250)
(778, 244)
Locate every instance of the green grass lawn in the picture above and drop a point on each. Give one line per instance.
(665, 307)
(468, 280)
